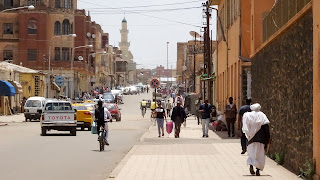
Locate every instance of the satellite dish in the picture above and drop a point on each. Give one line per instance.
(93, 36)
(88, 34)
(194, 34)
(80, 58)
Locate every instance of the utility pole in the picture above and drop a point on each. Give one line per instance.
(207, 49)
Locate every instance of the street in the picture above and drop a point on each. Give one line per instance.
(24, 154)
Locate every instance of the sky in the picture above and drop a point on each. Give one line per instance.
(151, 24)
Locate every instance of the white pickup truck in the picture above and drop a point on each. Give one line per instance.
(58, 115)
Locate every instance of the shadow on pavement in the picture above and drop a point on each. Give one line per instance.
(224, 135)
(97, 150)
(59, 134)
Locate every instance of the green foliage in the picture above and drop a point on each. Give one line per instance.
(279, 158)
(272, 156)
(309, 170)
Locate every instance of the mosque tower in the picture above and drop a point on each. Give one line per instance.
(124, 44)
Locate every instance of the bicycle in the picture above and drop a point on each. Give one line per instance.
(102, 138)
(143, 111)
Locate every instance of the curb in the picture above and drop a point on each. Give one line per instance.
(3, 124)
(123, 162)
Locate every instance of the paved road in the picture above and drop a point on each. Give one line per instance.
(24, 154)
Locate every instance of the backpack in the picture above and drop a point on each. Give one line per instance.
(101, 113)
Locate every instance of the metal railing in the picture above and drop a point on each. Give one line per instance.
(279, 15)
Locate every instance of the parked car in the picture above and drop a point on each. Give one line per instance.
(91, 107)
(114, 110)
(33, 108)
(58, 115)
(84, 117)
(108, 98)
(118, 94)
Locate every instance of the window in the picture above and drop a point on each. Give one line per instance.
(7, 28)
(32, 26)
(57, 28)
(7, 55)
(65, 54)
(8, 3)
(57, 3)
(66, 27)
(32, 55)
(33, 2)
(57, 54)
(36, 85)
(66, 4)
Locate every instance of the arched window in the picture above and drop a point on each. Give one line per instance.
(66, 27)
(57, 28)
(32, 26)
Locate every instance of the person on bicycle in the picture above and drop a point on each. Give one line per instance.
(102, 115)
(143, 105)
(153, 106)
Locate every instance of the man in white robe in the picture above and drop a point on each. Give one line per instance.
(256, 129)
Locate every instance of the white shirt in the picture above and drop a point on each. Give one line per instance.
(107, 114)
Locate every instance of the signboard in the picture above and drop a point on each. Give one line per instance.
(60, 81)
(154, 83)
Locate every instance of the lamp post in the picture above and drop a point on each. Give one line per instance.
(31, 7)
(49, 59)
(72, 61)
(195, 35)
(167, 69)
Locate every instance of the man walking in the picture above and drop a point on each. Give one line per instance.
(231, 113)
(243, 109)
(178, 117)
(197, 113)
(160, 115)
(168, 107)
(256, 128)
(205, 110)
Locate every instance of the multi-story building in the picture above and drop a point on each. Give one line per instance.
(144, 75)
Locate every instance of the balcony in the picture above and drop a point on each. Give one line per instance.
(279, 15)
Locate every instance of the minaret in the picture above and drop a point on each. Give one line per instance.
(124, 44)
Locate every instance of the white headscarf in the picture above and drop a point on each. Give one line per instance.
(252, 121)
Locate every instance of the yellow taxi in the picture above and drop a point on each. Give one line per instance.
(84, 117)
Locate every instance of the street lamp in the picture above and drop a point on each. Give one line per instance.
(31, 7)
(195, 35)
(167, 69)
(72, 61)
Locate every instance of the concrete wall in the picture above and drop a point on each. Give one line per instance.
(282, 84)
(316, 84)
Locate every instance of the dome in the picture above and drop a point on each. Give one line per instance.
(124, 20)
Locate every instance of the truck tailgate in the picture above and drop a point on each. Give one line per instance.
(57, 118)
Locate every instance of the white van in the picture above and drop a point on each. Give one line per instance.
(33, 108)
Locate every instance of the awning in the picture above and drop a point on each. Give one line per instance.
(6, 89)
(55, 86)
(17, 86)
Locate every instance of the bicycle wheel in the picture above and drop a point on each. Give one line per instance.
(101, 143)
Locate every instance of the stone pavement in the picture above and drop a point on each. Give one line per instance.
(190, 157)
(16, 118)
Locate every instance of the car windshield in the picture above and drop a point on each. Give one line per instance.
(58, 106)
(107, 96)
(33, 103)
(80, 107)
(90, 106)
(110, 106)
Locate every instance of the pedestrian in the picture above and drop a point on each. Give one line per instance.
(256, 128)
(23, 102)
(197, 113)
(205, 110)
(160, 115)
(242, 110)
(178, 117)
(231, 113)
(168, 107)
(173, 97)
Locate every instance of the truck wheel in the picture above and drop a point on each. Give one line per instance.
(73, 131)
(43, 131)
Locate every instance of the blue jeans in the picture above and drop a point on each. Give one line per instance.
(160, 125)
(205, 126)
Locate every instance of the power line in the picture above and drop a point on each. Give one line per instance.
(143, 11)
(156, 5)
(178, 22)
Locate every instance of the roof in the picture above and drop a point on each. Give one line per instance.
(9, 66)
(124, 20)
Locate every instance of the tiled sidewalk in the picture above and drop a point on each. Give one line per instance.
(190, 157)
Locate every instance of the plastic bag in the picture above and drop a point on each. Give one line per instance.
(169, 126)
(94, 128)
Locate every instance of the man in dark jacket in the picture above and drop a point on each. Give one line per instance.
(205, 110)
(243, 109)
(178, 117)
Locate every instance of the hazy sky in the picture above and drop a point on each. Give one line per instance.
(151, 24)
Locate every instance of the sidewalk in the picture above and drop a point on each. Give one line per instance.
(191, 157)
(16, 118)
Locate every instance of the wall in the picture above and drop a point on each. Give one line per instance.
(288, 105)
(316, 83)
